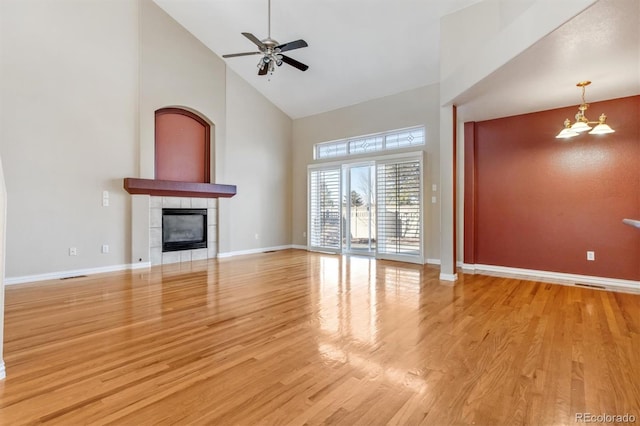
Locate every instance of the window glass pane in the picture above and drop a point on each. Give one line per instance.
(324, 208)
(340, 148)
(410, 138)
(399, 208)
(391, 141)
(373, 143)
(322, 151)
(362, 145)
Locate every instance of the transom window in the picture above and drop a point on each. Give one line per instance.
(394, 139)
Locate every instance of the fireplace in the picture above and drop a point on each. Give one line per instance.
(184, 229)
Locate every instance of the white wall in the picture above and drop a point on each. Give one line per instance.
(3, 211)
(68, 130)
(176, 70)
(415, 107)
(80, 83)
(3, 251)
(258, 161)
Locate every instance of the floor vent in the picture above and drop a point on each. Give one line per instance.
(75, 276)
(600, 287)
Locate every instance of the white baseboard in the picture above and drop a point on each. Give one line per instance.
(603, 283)
(3, 372)
(299, 247)
(254, 251)
(114, 268)
(448, 277)
(433, 261)
(468, 268)
(140, 265)
(74, 273)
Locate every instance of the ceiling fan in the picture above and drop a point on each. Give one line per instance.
(271, 51)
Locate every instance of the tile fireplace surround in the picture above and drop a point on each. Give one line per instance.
(156, 204)
(150, 196)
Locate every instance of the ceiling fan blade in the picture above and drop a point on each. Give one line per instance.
(292, 45)
(264, 68)
(233, 55)
(294, 63)
(254, 40)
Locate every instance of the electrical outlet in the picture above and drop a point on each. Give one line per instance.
(304, 234)
(434, 187)
(257, 236)
(105, 248)
(73, 251)
(105, 202)
(591, 255)
(434, 200)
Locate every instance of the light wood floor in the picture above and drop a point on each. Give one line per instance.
(295, 337)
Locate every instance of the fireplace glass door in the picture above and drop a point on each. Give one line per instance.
(184, 229)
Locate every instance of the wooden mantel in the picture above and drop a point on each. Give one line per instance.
(170, 188)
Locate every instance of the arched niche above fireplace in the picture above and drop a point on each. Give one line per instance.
(182, 146)
(182, 159)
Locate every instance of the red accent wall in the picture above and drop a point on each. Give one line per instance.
(182, 146)
(536, 202)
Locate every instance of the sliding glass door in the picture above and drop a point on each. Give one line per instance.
(359, 208)
(325, 211)
(399, 200)
(372, 208)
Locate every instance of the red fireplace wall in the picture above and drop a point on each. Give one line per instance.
(536, 202)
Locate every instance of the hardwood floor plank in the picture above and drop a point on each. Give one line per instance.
(294, 337)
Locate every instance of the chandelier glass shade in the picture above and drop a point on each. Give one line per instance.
(582, 123)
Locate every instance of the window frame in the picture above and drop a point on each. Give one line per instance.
(343, 147)
(377, 160)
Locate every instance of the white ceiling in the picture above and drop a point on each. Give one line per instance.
(358, 49)
(365, 49)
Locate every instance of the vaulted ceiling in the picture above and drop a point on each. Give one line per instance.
(365, 49)
(601, 44)
(358, 49)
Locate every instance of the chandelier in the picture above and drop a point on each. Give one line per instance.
(582, 122)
